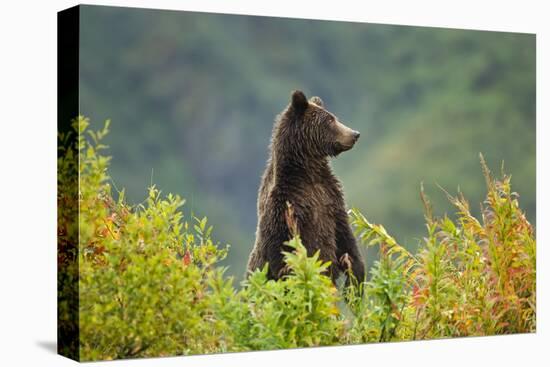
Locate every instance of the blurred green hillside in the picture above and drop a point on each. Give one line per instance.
(193, 96)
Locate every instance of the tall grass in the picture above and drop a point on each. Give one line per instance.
(469, 277)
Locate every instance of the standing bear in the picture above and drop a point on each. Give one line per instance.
(298, 174)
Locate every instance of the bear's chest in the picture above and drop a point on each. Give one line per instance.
(321, 198)
(318, 206)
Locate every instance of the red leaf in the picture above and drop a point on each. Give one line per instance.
(187, 258)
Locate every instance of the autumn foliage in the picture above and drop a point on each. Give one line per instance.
(148, 282)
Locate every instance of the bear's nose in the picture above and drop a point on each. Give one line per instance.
(356, 135)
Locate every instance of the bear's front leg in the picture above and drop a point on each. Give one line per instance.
(275, 232)
(347, 251)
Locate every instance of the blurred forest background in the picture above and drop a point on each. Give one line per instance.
(193, 96)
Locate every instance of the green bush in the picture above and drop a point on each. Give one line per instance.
(469, 277)
(150, 283)
(299, 311)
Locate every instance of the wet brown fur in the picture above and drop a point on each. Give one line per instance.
(305, 136)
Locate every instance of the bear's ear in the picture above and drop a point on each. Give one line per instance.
(299, 101)
(318, 101)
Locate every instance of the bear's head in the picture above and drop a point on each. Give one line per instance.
(312, 130)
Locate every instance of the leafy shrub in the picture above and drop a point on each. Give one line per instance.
(469, 277)
(144, 273)
(67, 245)
(148, 282)
(299, 311)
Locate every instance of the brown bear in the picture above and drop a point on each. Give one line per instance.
(305, 135)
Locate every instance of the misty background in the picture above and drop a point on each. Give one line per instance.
(193, 96)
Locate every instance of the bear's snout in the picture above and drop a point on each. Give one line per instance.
(356, 135)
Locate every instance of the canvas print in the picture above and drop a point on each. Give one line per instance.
(231, 183)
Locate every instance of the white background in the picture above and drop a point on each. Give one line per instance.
(28, 182)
